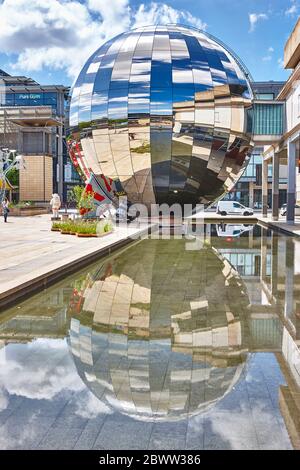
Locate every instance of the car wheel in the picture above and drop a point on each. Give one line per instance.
(223, 213)
(246, 214)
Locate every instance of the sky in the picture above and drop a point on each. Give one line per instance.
(50, 40)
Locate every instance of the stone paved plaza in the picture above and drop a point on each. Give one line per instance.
(29, 250)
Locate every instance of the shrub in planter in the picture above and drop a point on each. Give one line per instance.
(86, 229)
(56, 227)
(87, 203)
(67, 227)
(104, 227)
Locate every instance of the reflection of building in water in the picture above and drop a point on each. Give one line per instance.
(158, 331)
(289, 395)
(270, 271)
(43, 315)
(161, 331)
(283, 285)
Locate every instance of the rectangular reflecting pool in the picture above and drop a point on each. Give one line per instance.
(160, 346)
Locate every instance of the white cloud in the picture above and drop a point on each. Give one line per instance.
(42, 379)
(61, 34)
(291, 11)
(163, 14)
(89, 406)
(280, 62)
(254, 18)
(269, 56)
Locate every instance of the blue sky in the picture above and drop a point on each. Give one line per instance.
(51, 40)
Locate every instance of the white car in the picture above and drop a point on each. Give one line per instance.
(233, 208)
(283, 210)
(230, 230)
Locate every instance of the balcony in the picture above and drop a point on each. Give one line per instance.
(30, 116)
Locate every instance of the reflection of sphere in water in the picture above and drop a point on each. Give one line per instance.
(159, 331)
(163, 109)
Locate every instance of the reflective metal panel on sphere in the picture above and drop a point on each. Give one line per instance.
(162, 112)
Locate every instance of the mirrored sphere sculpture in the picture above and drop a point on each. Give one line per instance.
(163, 113)
(151, 346)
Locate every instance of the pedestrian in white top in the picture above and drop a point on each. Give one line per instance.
(55, 204)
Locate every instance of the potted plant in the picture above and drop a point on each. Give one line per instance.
(86, 229)
(104, 227)
(74, 197)
(86, 203)
(56, 227)
(66, 228)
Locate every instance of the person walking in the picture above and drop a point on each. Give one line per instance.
(5, 208)
(55, 204)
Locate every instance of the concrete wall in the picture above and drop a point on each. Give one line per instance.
(36, 178)
(293, 107)
(282, 171)
(298, 188)
(292, 48)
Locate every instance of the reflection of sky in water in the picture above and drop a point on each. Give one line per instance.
(44, 402)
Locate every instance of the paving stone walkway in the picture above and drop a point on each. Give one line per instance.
(30, 252)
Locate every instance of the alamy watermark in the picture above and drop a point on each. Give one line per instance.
(159, 221)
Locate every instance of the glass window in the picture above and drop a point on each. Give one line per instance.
(31, 99)
(22, 99)
(50, 98)
(139, 100)
(84, 109)
(118, 104)
(36, 99)
(236, 205)
(103, 76)
(161, 101)
(265, 96)
(9, 99)
(99, 105)
(268, 119)
(161, 74)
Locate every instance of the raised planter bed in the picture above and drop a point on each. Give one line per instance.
(86, 235)
(28, 211)
(82, 230)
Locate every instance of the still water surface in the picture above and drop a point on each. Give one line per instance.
(160, 347)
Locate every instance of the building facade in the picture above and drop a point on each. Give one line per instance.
(286, 150)
(32, 120)
(268, 123)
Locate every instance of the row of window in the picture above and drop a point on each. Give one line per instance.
(248, 264)
(28, 99)
(265, 96)
(250, 171)
(268, 119)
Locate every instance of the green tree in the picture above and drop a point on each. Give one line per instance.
(87, 201)
(13, 177)
(75, 195)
